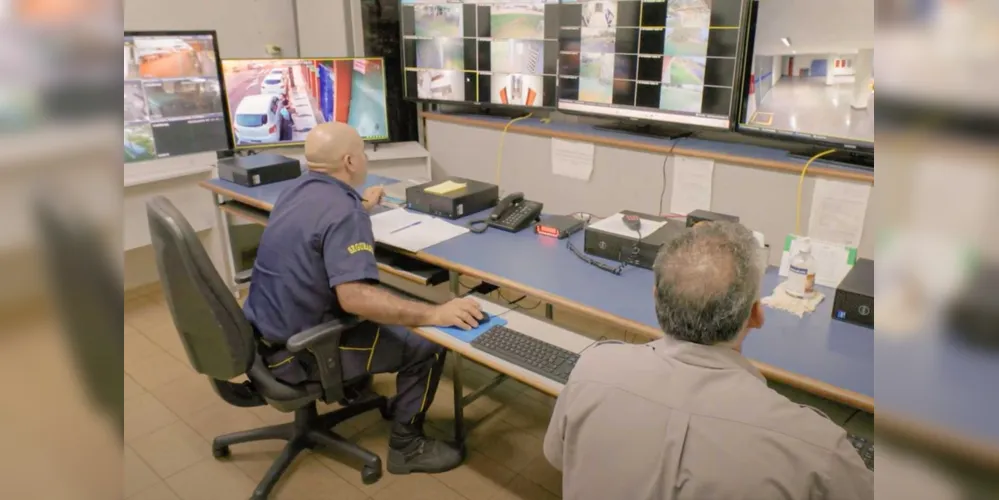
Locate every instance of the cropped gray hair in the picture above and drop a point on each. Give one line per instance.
(707, 280)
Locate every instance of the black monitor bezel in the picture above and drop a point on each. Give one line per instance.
(844, 144)
(740, 66)
(230, 143)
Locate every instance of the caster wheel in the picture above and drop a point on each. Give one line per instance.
(371, 475)
(221, 452)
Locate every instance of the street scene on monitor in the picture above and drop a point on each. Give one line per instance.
(440, 53)
(688, 13)
(438, 20)
(274, 101)
(440, 85)
(518, 56)
(596, 77)
(525, 21)
(169, 57)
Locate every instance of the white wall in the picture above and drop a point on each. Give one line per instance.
(321, 30)
(244, 27)
(780, 66)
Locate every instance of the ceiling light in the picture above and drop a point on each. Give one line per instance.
(786, 41)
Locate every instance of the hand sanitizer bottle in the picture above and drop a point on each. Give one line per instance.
(801, 275)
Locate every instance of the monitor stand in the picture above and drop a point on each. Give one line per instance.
(856, 158)
(646, 129)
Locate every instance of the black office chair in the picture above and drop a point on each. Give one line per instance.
(220, 343)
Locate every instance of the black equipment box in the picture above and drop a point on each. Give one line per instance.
(698, 216)
(258, 169)
(474, 197)
(558, 226)
(974, 313)
(854, 301)
(610, 239)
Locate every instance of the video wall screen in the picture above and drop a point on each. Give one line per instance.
(276, 102)
(173, 99)
(487, 51)
(674, 61)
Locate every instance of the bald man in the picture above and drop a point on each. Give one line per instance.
(316, 263)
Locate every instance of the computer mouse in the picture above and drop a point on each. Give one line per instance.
(485, 317)
(632, 221)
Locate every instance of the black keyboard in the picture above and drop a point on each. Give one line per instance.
(527, 352)
(865, 448)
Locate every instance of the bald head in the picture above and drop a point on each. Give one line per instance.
(707, 280)
(335, 148)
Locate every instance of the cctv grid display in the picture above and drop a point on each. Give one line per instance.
(173, 102)
(672, 61)
(481, 51)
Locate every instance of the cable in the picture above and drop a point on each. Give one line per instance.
(499, 154)
(516, 302)
(848, 419)
(801, 182)
(669, 154)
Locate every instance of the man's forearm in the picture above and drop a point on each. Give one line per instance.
(381, 306)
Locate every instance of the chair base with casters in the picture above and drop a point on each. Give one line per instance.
(308, 431)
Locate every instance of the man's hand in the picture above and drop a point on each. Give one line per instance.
(463, 313)
(372, 196)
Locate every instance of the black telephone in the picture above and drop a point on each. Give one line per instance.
(513, 213)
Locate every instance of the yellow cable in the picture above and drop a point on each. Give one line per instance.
(499, 154)
(801, 182)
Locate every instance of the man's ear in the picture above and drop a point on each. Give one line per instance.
(756, 318)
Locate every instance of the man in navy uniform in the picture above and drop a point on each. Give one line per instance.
(316, 262)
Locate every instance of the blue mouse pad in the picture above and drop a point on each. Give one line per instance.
(470, 335)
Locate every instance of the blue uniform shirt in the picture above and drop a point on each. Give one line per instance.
(318, 236)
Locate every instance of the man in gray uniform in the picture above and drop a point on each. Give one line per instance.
(687, 416)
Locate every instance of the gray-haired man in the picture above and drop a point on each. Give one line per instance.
(687, 416)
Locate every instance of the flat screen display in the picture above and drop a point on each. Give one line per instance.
(482, 52)
(674, 61)
(810, 73)
(276, 102)
(174, 103)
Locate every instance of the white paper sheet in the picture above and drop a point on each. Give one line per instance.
(572, 159)
(615, 225)
(832, 261)
(838, 211)
(692, 178)
(412, 231)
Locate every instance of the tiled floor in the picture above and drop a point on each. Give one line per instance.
(171, 414)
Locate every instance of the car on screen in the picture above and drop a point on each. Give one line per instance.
(257, 119)
(275, 82)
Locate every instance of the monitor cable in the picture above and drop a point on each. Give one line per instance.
(801, 183)
(499, 153)
(669, 154)
(615, 270)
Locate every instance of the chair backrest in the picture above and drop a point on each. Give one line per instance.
(218, 338)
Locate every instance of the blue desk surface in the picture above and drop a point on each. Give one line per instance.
(952, 388)
(265, 196)
(814, 346)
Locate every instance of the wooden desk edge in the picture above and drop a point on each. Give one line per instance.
(255, 203)
(811, 385)
(466, 350)
(640, 146)
(937, 440)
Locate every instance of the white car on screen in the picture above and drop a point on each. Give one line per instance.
(257, 119)
(274, 83)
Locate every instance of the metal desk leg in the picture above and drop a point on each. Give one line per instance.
(455, 283)
(459, 405)
(549, 312)
(225, 245)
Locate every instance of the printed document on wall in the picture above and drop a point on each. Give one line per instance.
(692, 179)
(838, 210)
(572, 159)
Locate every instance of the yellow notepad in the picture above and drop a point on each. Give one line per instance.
(445, 187)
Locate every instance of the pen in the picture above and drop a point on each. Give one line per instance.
(407, 226)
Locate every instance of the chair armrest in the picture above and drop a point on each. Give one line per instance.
(320, 334)
(243, 276)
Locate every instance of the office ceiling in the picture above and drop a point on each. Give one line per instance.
(814, 26)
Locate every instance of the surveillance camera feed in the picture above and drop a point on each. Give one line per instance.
(671, 61)
(276, 102)
(173, 102)
(485, 51)
(812, 79)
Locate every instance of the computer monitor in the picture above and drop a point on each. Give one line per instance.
(672, 62)
(809, 73)
(174, 104)
(484, 52)
(276, 102)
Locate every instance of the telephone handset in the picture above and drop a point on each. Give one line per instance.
(513, 213)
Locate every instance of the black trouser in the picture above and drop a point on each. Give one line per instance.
(372, 348)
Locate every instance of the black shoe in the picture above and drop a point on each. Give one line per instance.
(423, 455)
